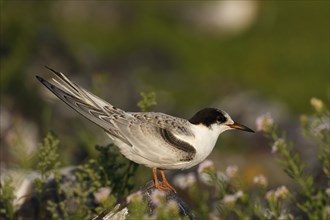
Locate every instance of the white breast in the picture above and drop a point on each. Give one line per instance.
(205, 140)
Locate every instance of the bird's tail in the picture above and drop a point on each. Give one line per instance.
(92, 107)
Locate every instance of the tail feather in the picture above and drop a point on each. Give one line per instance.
(90, 106)
(64, 81)
(86, 96)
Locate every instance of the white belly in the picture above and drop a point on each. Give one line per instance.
(203, 142)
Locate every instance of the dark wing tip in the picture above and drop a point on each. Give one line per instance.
(45, 82)
(47, 67)
(40, 78)
(54, 71)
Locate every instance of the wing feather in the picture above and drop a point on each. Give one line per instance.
(144, 134)
(138, 130)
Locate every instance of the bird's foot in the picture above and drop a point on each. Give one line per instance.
(165, 186)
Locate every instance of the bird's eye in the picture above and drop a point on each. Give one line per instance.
(221, 118)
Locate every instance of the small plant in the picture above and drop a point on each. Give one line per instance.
(225, 196)
(48, 167)
(114, 170)
(98, 180)
(97, 185)
(162, 208)
(7, 199)
(311, 198)
(47, 157)
(148, 100)
(107, 179)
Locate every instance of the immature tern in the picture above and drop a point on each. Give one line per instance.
(154, 139)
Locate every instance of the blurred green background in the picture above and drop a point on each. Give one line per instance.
(246, 57)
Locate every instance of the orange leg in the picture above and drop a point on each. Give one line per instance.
(154, 174)
(165, 186)
(165, 182)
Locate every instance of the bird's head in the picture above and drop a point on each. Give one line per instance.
(214, 118)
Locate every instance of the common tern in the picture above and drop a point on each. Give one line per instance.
(154, 139)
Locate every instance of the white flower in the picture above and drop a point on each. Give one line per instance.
(221, 176)
(231, 171)
(270, 195)
(229, 199)
(180, 181)
(281, 192)
(328, 210)
(205, 178)
(137, 196)
(184, 181)
(172, 206)
(213, 216)
(324, 126)
(318, 127)
(317, 104)
(327, 191)
(102, 194)
(285, 216)
(205, 166)
(269, 214)
(158, 197)
(279, 143)
(264, 122)
(239, 194)
(191, 179)
(260, 180)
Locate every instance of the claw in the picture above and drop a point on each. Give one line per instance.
(165, 186)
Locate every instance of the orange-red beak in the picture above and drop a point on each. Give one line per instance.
(240, 127)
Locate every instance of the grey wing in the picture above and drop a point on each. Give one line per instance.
(158, 137)
(90, 106)
(178, 126)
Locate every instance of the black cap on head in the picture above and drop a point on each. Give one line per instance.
(208, 116)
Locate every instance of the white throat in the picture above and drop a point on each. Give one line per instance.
(205, 139)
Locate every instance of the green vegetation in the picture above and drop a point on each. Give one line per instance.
(210, 192)
(123, 48)
(7, 199)
(148, 100)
